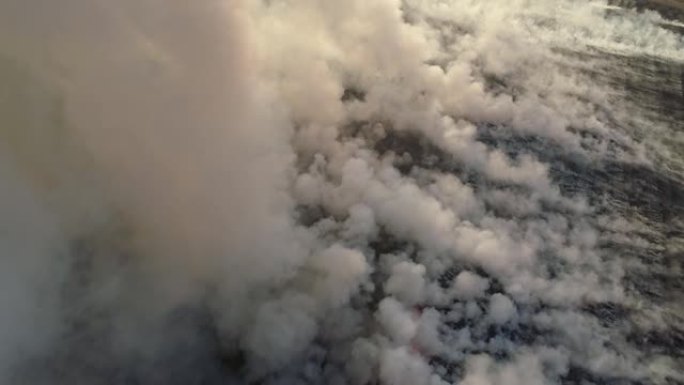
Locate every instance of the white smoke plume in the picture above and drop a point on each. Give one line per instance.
(316, 192)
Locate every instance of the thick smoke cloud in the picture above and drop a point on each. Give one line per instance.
(286, 192)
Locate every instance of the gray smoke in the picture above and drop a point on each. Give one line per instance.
(284, 192)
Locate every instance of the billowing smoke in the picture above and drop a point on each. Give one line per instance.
(325, 192)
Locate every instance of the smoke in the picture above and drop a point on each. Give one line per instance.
(311, 192)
